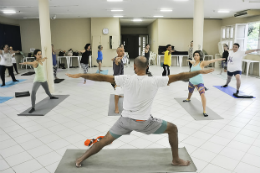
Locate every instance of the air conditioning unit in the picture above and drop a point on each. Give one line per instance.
(247, 13)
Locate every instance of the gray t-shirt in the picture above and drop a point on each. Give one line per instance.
(118, 69)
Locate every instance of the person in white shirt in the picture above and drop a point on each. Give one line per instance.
(234, 64)
(139, 93)
(6, 63)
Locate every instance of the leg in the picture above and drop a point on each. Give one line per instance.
(238, 78)
(11, 72)
(200, 87)
(164, 70)
(15, 67)
(2, 73)
(84, 70)
(55, 71)
(203, 99)
(35, 87)
(191, 88)
(108, 139)
(168, 68)
(228, 79)
(99, 66)
(116, 104)
(172, 131)
(46, 88)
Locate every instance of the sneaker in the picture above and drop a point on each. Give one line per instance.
(186, 100)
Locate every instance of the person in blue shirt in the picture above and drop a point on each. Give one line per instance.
(100, 57)
(54, 62)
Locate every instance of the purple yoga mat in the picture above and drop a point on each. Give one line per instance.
(230, 90)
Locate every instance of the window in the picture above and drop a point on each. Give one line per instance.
(253, 36)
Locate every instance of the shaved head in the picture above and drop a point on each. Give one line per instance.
(118, 49)
(141, 62)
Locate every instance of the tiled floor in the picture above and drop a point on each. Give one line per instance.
(36, 144)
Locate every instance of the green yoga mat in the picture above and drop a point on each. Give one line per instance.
(125, 161)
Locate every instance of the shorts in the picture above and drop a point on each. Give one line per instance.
(99, 61)
(200, 87)
(119, 91)
(224, 64)
(126, 125)
(234, 73)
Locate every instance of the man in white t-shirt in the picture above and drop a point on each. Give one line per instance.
(234, 64)
(139, 93)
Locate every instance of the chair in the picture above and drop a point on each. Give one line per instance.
(152, 57)
(23, 59)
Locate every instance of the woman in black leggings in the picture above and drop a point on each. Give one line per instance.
(6, 63)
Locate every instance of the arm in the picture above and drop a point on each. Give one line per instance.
(94, 77)
(34, 63)
(250, 51)
(43, 59)
(1, 51)
(187, 75)
(191, 61)
(205, 63)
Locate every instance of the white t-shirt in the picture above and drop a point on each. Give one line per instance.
(13, 58)
(139, 92)
(6, 59)
(235, 60)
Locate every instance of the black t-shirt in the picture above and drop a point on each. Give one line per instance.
(85, 57)
(225, 55)
(118, 69)
(147, 55)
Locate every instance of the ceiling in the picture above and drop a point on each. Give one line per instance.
(146, 9)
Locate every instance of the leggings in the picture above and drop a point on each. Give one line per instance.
(55, 70)
(15, 67)
(166, 70)
(36, 86)
(2, 73)
(85, 68)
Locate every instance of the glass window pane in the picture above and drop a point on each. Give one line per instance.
(223, 33)
(231, 32)
(240, 33)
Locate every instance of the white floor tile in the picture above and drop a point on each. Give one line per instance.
(251, 159)
(204, 155)
(16, 149)
(48, 159)
(243, 167)
(3, 165)
(28, 166)
(215, 148)
(39, 151)
(18, 158)
(232, 153)
(214, 169)
(225, 162)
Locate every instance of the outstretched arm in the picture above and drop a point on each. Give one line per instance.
(250, 51)
(94, 77)
(206, 63)
(43, 59)
(28, 63)
(12, 51)
(187, 75)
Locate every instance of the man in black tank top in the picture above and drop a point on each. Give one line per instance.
(147, 56)
(118, 68)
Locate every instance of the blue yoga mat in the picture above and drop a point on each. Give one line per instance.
(11, 83)
(230, 90)
(4, 99)
(103, 72)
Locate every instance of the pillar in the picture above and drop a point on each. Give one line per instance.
(198, 24)
(45, 33)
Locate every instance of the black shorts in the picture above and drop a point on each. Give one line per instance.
(234, 73)
(99, 61)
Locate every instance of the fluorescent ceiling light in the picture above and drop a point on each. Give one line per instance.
(166, 10)
(137, 20)
(157, 16)
(223, 11)
(9, 11)
(181, 0)
(114, 0)
(117, 10)
(118, 16)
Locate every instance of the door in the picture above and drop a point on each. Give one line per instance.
(131, 43)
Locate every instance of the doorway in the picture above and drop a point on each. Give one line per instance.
(134, 44)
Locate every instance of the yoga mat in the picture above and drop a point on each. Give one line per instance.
(111, 108)
(22, 94)
(230, 91)
(11, 83)
(28, 73)
(194, 108)
(103, 72)
(125, 161)
(58, 80)
(44, 106)
(4, 99)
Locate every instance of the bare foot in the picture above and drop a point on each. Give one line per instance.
(78, 163)
(84, 82)
(180, 162)
(117, 111)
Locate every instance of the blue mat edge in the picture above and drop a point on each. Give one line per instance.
(229, 87)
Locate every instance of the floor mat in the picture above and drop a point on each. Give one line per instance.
(194, 108)
(44, 106)
(125, 161)
(22, 94)
(111, 108)
(103, 72)
(4, 99)
(28, 73)
(230, 91)
(11, 83)
(58, 80)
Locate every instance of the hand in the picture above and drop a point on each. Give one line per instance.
(223, 59)
(206, 71)
(22, 63)
(74, 75)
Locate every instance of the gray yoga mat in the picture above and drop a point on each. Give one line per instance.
(44, 106)
(194, 108)
(111, 109)
(125, 160)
